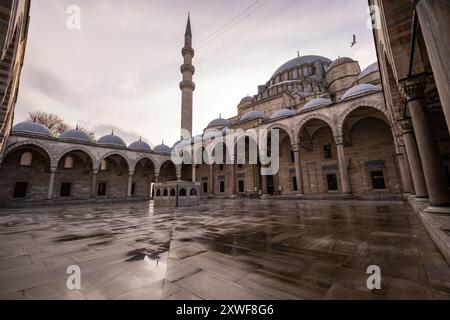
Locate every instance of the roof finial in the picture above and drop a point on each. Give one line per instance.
(298, 54)
(140, 138)
(76, 127)
(35, 119)
(112, 132)
(188, 26)
(220, 116)
(162, 141)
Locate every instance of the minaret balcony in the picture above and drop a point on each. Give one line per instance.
(187, 50)
(187, 68)
(187, 85)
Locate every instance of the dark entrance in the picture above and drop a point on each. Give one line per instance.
(270, 185)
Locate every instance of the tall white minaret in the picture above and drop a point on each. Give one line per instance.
(187, 86)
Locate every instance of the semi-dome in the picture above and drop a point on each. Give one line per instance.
(246, 100)
(112, 140)
(360, 89)
(283, 113)
(219, 123)
(316, 103)
(76, 134)
(140, 146)
(31, 127)
(370, 69)
(252, 115)
(339, 61)
(162, 148)
(310, 59)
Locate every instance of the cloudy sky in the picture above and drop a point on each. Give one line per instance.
(121, 69)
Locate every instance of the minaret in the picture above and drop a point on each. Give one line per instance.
(187, 86)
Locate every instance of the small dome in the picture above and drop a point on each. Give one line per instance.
(140, 146)
(283, 113)
(301, 61)
(112, 140)
(246, 100)
(75, 135)
(162, 148)
(359, 90)
(370, 69)
(339, 61)
(252, 115)
(211, 134)
(225, 130)
(219, 123)
(31, 127)
(316, 103)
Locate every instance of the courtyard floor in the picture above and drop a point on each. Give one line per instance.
(224, 249)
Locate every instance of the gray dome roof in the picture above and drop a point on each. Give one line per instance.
(140, 146)
(219, 123)
(112, 140)
(31, 127)
(225, 130)
(301, 61)
(162, 148)
(283, 113)
(339, 61)
(246, 99)
(318, 102)
(370, 69)
(210, 134)
(252, 115)
(75, 135)
(360, 89)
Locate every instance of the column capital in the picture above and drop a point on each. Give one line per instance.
(414, 89)
(340, 141)
(131, 173)
(53, 170)
(406, 125)
(295, 147)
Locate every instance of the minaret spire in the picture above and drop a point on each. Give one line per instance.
(187, 86)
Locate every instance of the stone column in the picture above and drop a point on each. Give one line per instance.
(233, 178)
(94, 185)
(157, 172)
(211, 179)
(194, 173)
(415, 164)
(130, 184)
(51, 183)
(434, 18)
(343, 170)
(435, 175)
(406, 182)
(264, 183)
(178, 170)
(298, 168)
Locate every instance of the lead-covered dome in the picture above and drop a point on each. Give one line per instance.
(283, 113)
(253, 115)
(370, 69)
(360, 89)
(309, 59)
(339, 61)
(140, 146)
(219, 123)
(246, 100)
(162, 148)
(112, 140)
(76, 135)
(31, 127)
(317, 103)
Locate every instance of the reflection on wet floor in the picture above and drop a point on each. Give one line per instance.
(225, 249)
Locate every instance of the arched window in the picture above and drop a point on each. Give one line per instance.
(172, 193)
(26, 159)
(104, 165)
(158, 193)
(183, 192)
(193, 192)
(165, 193)
(68, 162)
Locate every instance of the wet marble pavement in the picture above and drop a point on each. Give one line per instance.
(225, 249)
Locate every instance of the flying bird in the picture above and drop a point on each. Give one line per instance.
(354, 41)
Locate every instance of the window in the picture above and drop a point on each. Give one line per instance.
(378, 180)
(66, 189)
(158, 193)
(101, 189)
(222, 186)
(104, 165)
(20, 190)
(68, 162)
(240, 166)
(26, 159)
(221, 167)
(292, 157)
(172, 193)
(133, 189)
(241, 186)
(327, 152)
(193, 192)
(165, 193)
(183, 192)
(205, 187)
(332, 182)
(294, 184)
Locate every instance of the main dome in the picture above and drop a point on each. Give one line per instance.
(31, 127)
(339, 61)
(112, 140)
(75, 135)
(301, 61)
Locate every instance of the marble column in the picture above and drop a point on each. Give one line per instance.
(51, 183)
(415, 164)
(130, 184)
(178, 170)
(264, 183)
(343, 170)
(94, 185)
(298, 168)
(194, 173)
(434, 19)
(406, 182)
(435, 175)
(211, 179)
(233, 178)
